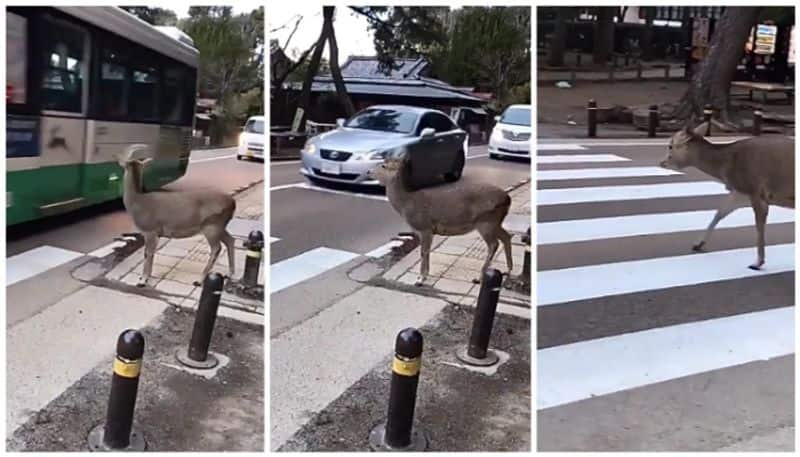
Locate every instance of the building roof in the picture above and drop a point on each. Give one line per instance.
(362, 75)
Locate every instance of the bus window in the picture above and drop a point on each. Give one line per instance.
(111, 91)
(144, 97)
(62, 82)
(16, 58)
(173, 99)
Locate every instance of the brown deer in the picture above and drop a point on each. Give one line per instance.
(757, 170)
(175, 214)
(450, 209)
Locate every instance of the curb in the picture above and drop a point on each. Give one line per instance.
(248, 186)
(516, 186)
(283, 158)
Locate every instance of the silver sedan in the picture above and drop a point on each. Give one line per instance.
(435, 145)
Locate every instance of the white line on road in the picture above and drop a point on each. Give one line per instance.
(559, 147)
(31, 263)
(285, 162)
(286, 186)
(477, 156)
(308, 186)
(599, 173)
(212, 158)
(107, 249)
(546, 197)
(657, 142)
(580, 158)
(578, 371)
(648, 224)
(384, 249)
(272, 239)
(289, 272)
(594, 281)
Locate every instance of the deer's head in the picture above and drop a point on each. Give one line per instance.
(133, 157)
(390, 168)
(679, 156)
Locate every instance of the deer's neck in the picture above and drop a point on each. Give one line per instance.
(709, 158)
(397, 193)
(131, 183)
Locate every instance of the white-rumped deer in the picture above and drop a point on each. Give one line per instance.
(179, 214)
(757, 170)
(450, 209)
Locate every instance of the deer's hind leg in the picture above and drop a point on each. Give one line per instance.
(213, 236)
(505, 238)
(425, 241)
(150, 246)
(228, 240)
(729, 203)
(491, 237)
(760, 208)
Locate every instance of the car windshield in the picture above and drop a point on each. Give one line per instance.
(254, 126)
(384, 120)
(517, 116)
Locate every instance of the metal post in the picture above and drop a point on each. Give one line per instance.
(578, 62)
(757, 118)
(652, 123)
(197, 356)
(117, 433)
(591, 116)
(252, 263)
(477, 352)
(526, 262)
(639, 69)
(708, 110)
(666, 72)
(398, 433)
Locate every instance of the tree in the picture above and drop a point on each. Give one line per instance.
(712, 82)
(153, 16)
(558, 44)
(604, 34)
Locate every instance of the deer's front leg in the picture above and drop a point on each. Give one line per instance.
(729, 203)
(760, 208)
(150, 246)
(425, 241)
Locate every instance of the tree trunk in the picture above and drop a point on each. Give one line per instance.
(555, 57)
(604, 34)
(712, 82)
(311, 72)
(336, 72)
(647, 35)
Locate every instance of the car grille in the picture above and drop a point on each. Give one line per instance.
(511, 136)
(339, 156)
(509, 151)
(342, 176)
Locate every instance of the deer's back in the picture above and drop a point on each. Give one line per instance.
(182, 212)
(763, 164)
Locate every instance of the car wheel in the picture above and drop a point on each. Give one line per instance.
(238, 157)
(494, 156)
(455, 175)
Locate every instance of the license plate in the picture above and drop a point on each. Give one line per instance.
(331, 168)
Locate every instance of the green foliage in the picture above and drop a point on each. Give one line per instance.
(153, 16)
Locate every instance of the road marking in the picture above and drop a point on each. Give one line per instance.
(546, 197)
(648, 224)
(308, 186)
(477, 156)
(384, 249)
(578, 371)
(580, 158)
(285, 162)
(286, 186)
(38, 260)
(583, 283)
(289, 272)
(107, 249)
(212, 158)
(559, 147)
(272, 239)
(659, 142)
(599, 173)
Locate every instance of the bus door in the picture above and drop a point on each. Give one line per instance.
(63, 56)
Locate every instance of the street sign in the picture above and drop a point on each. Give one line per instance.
(765, 39)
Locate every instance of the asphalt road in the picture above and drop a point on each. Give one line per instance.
(86, 230)
(352, 220)
(643, 344)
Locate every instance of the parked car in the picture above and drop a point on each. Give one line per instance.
(511, 136)
(251, 140)
(436, 147)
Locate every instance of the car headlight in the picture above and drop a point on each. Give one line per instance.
(310, 148)
(376, 155)
(496, 135)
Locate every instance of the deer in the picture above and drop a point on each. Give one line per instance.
(451, 209)
(177, 214)
(757, 170)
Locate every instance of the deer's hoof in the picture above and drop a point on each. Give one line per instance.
(420, 281)
(756, 266)
(476, 280)
(196, 283)
(698, 247)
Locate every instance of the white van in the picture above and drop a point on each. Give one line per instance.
(511, 136)
(251, 140)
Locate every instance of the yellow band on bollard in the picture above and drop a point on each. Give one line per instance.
(406, 367)
(127, 368)
(256, 254)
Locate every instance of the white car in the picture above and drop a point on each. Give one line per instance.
(251, 140)
(511, 136)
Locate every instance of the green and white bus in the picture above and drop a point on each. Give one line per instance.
(82, 84)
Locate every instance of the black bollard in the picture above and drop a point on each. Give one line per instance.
(252, 263)
(398, 433)
(197, 356)
(591, 117)
(526, 262)
(652, 123)
(757, 118)
(578, 59)
(117, 433)
(708, 110)
(477, 352)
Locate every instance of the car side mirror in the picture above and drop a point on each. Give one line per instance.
(497, 118)
(340, 122)
(427, 132)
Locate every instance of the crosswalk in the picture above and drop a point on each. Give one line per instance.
(600, 358)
